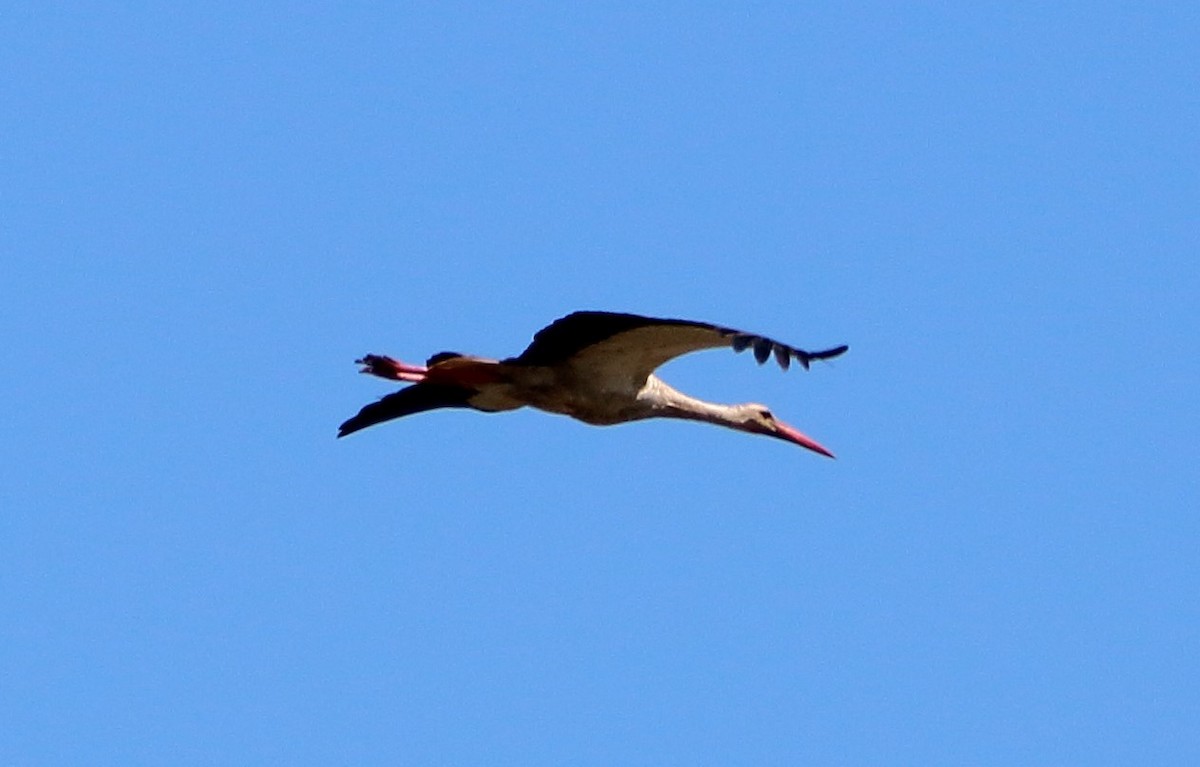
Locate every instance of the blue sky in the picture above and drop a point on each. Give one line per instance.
(208, 212)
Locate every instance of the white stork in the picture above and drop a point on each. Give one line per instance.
(597, 367)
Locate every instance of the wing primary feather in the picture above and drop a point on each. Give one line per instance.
(762, 349)
(412, 399)
(828, 354)
(783, 355)
(574, 334)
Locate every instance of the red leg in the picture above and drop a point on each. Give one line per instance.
(393, 370)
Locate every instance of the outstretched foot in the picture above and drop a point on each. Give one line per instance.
(393, 370)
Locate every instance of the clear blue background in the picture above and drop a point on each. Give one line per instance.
(209, 211)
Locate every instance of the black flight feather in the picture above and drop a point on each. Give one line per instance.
(567, 336)
(412, 399)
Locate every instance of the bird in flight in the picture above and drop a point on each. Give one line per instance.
(596, 367)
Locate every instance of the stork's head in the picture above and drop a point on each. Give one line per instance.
(758, 419)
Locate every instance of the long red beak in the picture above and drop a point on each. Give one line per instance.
(795, 436)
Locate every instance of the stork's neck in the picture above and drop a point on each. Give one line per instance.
(668, 402)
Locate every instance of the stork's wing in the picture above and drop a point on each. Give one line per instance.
(638, 345)
(412, 399)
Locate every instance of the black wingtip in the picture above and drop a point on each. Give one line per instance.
(806, 358)
(829, 354)
(357, 423)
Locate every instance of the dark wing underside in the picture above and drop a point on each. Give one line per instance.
(413, 399)
(641, 344)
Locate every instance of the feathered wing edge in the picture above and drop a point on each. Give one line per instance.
(764, 348)
(412, 399)
(576, 332)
